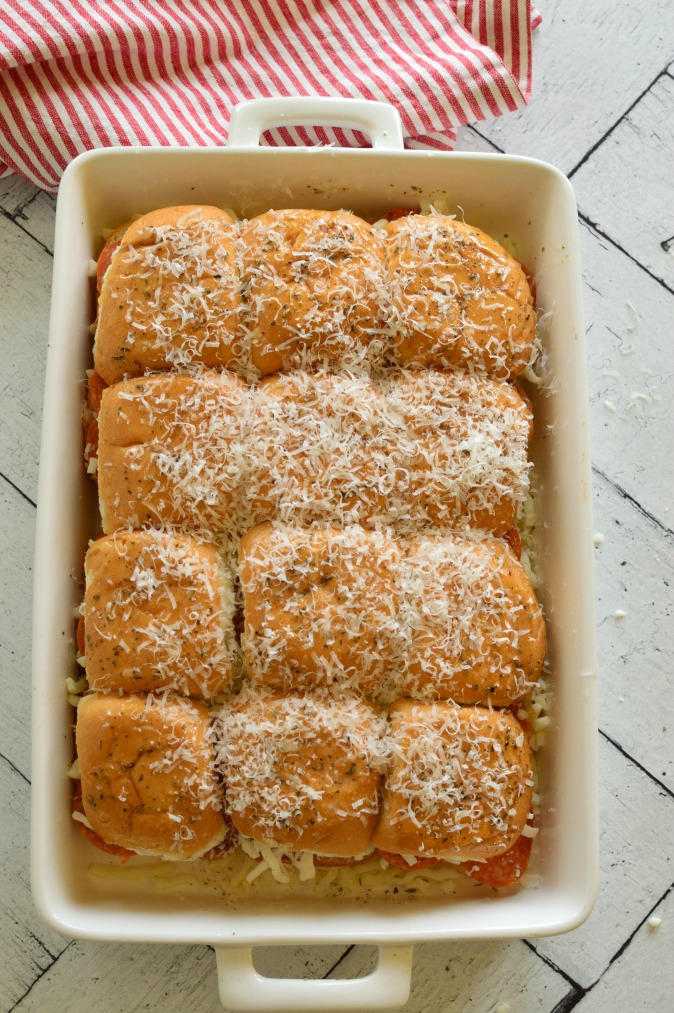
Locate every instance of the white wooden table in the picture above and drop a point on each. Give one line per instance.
(603, 112)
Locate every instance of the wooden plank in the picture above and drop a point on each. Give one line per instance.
(579, 50)
(637, 829)
(28, 946)
(635, 701)
(170, 979)
(26, 272)
(643, 976)
(17, 522)
(15, 193)
(625, 185)
(468, 139)
(471, 976)
(628, 322)
(38, 219)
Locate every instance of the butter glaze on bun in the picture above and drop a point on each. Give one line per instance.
(171, 296)
(461, 445)
(409, 451)
(314, 290)
(320, 607)
(158, 610)
(147, 768)
(170, 451)
(458, 785)
(458, 298)
(476, 632)
(303, 771)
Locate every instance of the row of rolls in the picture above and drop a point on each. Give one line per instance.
(309, 289)
(306, 625)
(438, 617)
(410, 450)
(318, 773)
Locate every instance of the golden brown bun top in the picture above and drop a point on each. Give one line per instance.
(458, 297)
(303, 770)
(476, 629)
(138, 233)
(409, 451)
(171, 296)
(315, 291)
(320, 606)
(167, 405)
(459, 781)
(158, 614)
(147, 774)
(279, 235)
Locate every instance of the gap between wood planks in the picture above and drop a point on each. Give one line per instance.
(634, 502)
(585, 218)
(40, 975)
(579, 991)
(617, 123)
(12, 218)
(17, 489)
(15, 768)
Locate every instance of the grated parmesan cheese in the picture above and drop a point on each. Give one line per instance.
(393, 451)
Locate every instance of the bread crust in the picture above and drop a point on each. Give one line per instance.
(320, 607)
(147, 769)
(314, 288)
(171, 296)
(414, 450)
(170, 451)
(458, 784)
(158, 610)
(458, 298)
(461, 444)
(303, 770)
(476, 630)
(319, 436)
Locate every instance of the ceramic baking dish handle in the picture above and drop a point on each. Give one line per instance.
(379, 120)
(243, 988)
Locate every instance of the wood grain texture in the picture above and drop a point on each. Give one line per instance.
(26, 272)
(592, 61)
(625, 186)
(37, 218)
(642, 977)
(637, 829)
(170, 979)
(631, 373)
(472, 976)
(28, 946)
(17, 525)
(15, 193)
(636, 708)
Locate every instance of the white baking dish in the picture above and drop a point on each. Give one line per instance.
(530, 202)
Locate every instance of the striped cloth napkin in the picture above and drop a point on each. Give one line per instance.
(79, 75)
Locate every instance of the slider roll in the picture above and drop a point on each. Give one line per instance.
(147, 768)
(323, 445)
(320, 607)
(458, 298)
(461, 443)
(171, 295)
(413, 450)
(303, 771)
(475, 631)
(172, 451)
(158, 610)
(314, 290)
(458, 784)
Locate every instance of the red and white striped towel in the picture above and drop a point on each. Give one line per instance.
(78, 75)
